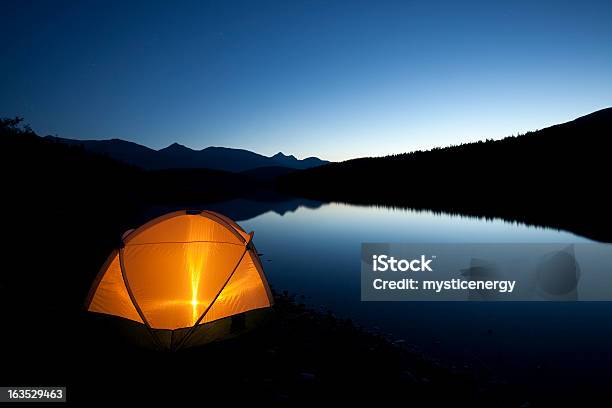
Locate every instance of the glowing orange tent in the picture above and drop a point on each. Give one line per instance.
(189, 277)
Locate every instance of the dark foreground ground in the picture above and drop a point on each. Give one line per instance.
(297, 356)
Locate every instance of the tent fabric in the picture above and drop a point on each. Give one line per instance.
(111, 296)
(182, 270)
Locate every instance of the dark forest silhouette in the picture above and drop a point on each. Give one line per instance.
(556, 177)
(74, 200)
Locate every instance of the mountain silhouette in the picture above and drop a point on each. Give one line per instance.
(177, 156)
(293, 163)
(556, 176)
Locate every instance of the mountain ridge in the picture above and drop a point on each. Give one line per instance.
(178, 156)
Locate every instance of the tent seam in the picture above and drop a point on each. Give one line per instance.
(185, 242)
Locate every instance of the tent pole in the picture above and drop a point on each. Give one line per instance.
(247, 246)
(133, 299)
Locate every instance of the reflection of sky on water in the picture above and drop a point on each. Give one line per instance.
(316, 253)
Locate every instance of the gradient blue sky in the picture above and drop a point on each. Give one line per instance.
(327, 78)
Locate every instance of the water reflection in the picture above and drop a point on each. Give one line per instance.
(313, 250)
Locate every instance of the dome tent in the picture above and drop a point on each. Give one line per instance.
(188, 277)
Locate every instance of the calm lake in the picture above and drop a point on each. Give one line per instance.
(312, 250)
